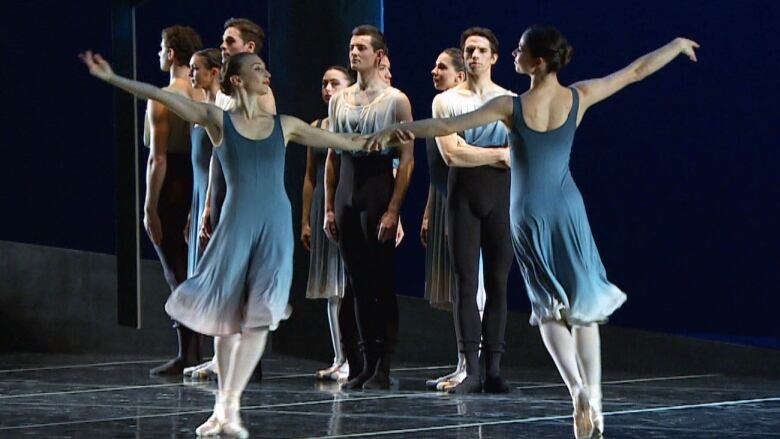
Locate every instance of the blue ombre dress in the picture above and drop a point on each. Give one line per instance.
(552, 240)
(244, 276)
(201, 157)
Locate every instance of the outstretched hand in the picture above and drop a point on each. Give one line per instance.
(392, 135)
(687, 47)
(98, 67)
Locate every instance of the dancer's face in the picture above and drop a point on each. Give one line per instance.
(166, 56)
(332, 81)
(444, 74)
(253, 76)
(202, 76)
(384, 70)
(478, 55)
(362, 56)
(525, 63)
(232, 43)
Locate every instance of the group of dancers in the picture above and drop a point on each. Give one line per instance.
(500, 181)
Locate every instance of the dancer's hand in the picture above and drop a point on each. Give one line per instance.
(381, 139)
(687, 47)
(388, 226)
(506, 157)
(306, 236)
(98, 67)
(187, 229)
(424, 231)
(399, 234)
(204, 234)
(153, 226)
(329, 226)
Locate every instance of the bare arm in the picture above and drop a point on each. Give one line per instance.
(298, 131)
(332, 164)
(455, 151)
(388, 225)
(189, 110)
(497, 109)
(595, 90)
(308, 186)
(156, 167)
(204, 234)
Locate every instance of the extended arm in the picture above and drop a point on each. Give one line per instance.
(455, 151)
(497, 109)
(187, 109)
(298, 131)
(595, 90)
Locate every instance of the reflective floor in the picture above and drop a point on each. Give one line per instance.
(112, 396)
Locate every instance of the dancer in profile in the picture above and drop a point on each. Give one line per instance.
(327, 278)
(240, 288)
(169, 182)
(565, 279)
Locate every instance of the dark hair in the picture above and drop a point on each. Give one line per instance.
(480, 32)
(548, 43)
(213, 58)
(184, 41)
(456, 55)
(345, 71)
(377, 37)
(250, 31)
(230, 68)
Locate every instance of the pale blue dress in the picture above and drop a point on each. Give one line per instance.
(243, 278)
(552, 240)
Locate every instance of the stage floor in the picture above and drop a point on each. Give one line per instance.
(69, 396)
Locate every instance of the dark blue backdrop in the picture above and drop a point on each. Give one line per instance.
(677, 172)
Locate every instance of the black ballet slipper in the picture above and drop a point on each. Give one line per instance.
(471, 384)
(496, 384)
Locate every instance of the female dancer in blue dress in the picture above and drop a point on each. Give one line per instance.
(327, 278)
(241, 285)
(565, 279)
(205, 66)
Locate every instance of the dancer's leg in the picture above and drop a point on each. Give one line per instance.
(334, 303)
(242, 363)
(223, 352)
(497, 255)
(588, 345)
(464, 238)
(561, 346)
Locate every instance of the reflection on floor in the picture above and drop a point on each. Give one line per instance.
(69, 396)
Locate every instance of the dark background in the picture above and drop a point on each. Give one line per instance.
(677, 172)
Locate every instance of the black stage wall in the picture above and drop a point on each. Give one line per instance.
(677, 172)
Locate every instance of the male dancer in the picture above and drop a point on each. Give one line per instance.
(362, 214)
(478, 214)
(240, 35)
(169, 181)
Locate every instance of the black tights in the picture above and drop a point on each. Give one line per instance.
(478, 217)
(364, 191)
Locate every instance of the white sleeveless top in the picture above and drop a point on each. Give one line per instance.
(455, 102)
(363, 119)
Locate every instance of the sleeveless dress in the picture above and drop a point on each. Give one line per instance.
(327, 277)
(552, 240)
(243, 279)
(201, 157)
